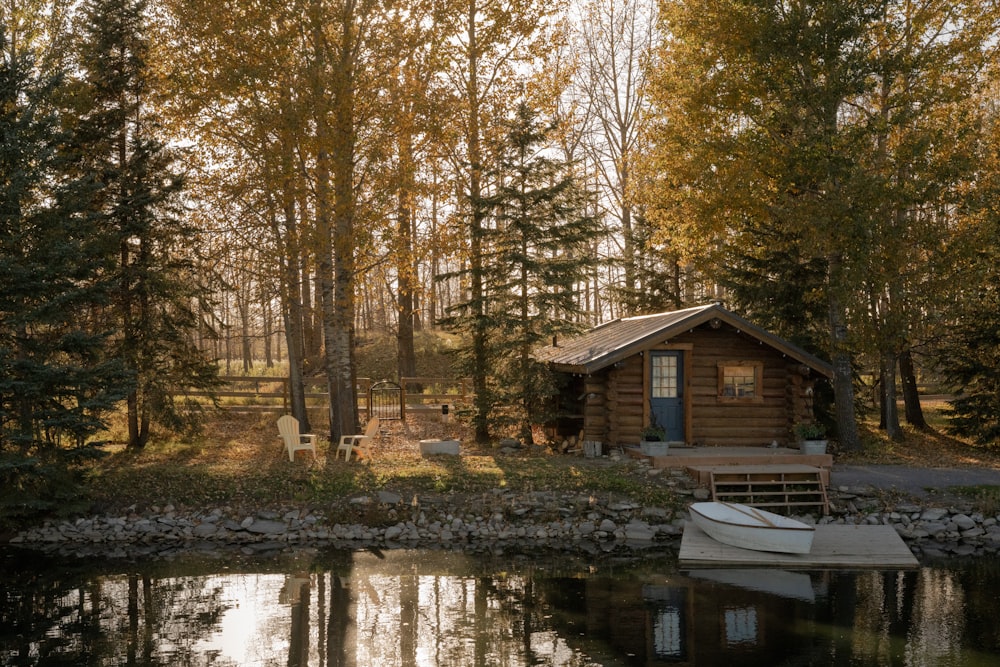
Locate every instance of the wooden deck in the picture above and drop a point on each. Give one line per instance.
(700, 462)
(834, 547)
(693, 457)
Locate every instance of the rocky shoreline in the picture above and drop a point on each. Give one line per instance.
(550, 520)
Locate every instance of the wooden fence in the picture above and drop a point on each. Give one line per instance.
(270, 394)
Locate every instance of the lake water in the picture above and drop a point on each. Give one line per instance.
(420, 607)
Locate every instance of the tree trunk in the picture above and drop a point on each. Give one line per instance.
(914, 412)
(312, 315)
(335, 219)
(482, 402)
(339, 334)
(843, 377)
(268, 331)
(292, 316)
(406, 270)
(243, 306)
(890, 413)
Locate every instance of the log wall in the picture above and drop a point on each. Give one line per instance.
(619, 412)
(736, 423)
(595, 408)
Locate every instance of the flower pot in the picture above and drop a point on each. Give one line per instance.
(653, 447)
(813, 447)
(428, 447)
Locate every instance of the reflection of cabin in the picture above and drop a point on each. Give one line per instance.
(704, 375)
(680, 620)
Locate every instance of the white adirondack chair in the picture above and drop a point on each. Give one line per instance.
(288, 429)
(360, 443)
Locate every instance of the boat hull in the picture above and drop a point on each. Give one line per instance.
(752, 528)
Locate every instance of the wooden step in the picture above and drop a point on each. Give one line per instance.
(792, 488)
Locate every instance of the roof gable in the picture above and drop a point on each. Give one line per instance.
(613, 341)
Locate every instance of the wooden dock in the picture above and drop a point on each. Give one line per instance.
(834, 547)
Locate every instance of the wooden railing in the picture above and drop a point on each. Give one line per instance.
(432, 392)
(265, 393)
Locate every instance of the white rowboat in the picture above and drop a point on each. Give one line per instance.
(752, 528)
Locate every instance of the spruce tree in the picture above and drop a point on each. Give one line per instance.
(971, 356)
(536, 258)
(155, 292)
(57, 382)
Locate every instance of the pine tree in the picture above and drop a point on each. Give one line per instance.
(970, 356)
(57, 383)
(536, 259)
(138, 199)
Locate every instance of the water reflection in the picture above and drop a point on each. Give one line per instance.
(444, 608)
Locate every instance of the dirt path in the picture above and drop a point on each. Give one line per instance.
(916, 481)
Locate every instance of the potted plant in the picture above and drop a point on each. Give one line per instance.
(653, 433)
(812, 437)
(653, 440)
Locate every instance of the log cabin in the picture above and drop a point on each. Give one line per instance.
(704, 375)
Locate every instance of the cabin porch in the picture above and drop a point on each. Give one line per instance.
(693, 457)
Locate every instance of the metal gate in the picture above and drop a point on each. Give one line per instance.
(385, 400)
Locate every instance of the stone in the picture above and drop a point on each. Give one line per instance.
(204, 530)
(267, 527)
(934, 514)
(934, 529)
(389, 498)
(622, 507)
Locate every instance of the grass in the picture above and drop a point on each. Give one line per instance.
(926, 448)
(986, 498)
(238, 462)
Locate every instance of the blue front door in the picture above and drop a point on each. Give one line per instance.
(666, 402)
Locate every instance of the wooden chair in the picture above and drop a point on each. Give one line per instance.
(288, 429)
(359, 443)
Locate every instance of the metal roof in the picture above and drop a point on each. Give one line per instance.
(613, 341)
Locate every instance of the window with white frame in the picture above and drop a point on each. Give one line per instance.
(741, 381)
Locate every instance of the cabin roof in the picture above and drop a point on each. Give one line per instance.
(613, 341)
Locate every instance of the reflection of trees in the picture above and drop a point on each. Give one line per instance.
(298, 646)
(979, 580)
(340, 627)
(85, 618)
(40, 616)
(338, 614)
(905, 617)
(148, 612)
(409, 617)
(409, 609)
